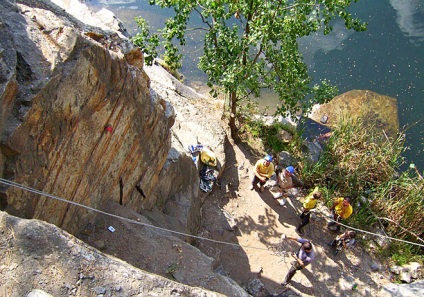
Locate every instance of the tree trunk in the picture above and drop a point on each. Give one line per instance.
(232, 123)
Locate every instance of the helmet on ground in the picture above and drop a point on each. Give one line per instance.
(268, 158)
(290, 169)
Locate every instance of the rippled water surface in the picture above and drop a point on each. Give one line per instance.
(388, 58)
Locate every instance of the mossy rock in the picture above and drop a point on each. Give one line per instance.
(378, 111)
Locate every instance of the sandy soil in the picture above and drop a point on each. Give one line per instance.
(253, 223)
(246, 227)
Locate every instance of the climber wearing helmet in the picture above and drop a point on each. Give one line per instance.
(285, 182)
(263, 170)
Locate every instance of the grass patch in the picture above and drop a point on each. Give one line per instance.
(362, 164)
(174, 72)
(269, 137)
(356, 159)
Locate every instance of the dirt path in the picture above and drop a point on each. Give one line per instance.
(258, 251)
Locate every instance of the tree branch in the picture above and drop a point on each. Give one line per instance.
(200, 28)
(245, 96)
(257, 54)
(202, 17)
(404, 229)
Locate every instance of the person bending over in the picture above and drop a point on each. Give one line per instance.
(303, 257)
(343, 241)
(341, 210)
(286, 179)
(308, 205)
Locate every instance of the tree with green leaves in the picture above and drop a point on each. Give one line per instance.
(250, 45)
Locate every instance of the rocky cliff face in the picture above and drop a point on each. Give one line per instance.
(79, 118)
(56, 263)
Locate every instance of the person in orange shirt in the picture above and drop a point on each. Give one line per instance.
(263, 170)
(341, 210)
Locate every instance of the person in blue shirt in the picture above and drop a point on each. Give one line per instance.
(303, 257)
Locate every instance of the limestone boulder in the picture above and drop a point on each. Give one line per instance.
(313, 150)
(402, 290)
(195, 120)
(375, 109)
(177, 192)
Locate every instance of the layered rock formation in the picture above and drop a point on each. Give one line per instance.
(81, 120)
(51, 260)
(81, 123)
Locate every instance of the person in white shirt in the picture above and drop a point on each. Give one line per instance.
(343, 241)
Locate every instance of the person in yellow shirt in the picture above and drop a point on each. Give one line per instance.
(208, 157)
(341, 210)
(263, 170)
(309, 204)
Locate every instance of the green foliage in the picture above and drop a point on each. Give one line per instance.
(364, 216)
(271, 135)
(399, 206)
(172, 268)
(250, 45)
(356, 159)
(402, 254)
(324, 92)
(359, 162)
(146, 41)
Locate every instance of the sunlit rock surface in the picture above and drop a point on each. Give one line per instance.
(375, 109)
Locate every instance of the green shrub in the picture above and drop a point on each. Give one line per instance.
(401, 253)
(270, 135)
(399, 204)
(356, 159)
(360, 162)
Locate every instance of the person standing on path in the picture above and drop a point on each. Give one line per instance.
(341, 210)
(309, 204)
(263, 170)
(303, 257)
